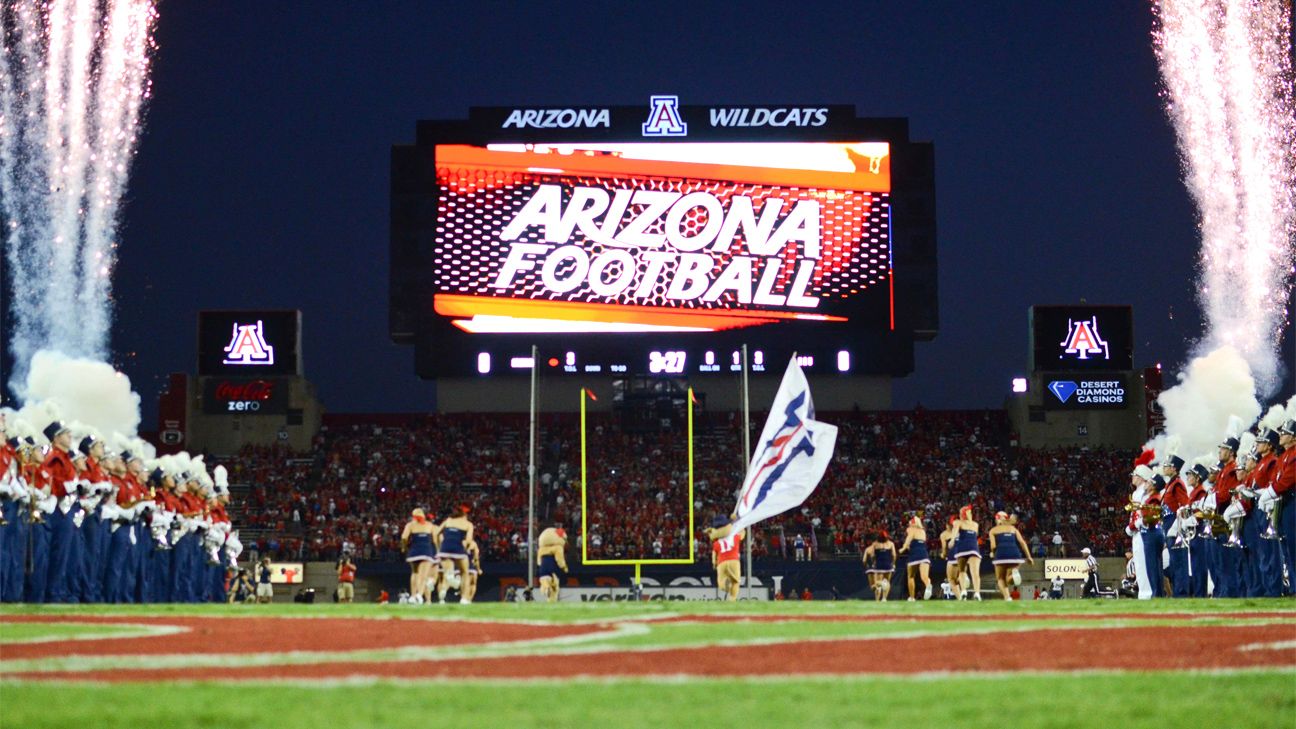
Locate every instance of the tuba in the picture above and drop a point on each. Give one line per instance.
(1215, 525)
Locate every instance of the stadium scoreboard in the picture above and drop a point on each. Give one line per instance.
(1083, 354)
(658, 239)
(249, 343)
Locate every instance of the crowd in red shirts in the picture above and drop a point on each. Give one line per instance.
(356, 487)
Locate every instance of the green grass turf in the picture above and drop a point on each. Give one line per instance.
(1263, 699)
(31, 632)
(599, 611)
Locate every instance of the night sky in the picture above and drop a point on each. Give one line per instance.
(262, 175)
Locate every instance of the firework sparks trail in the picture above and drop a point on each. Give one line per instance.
(1227, 70)
(73, 82)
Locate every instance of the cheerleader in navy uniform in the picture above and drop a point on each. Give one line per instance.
(966, 550)
(474, 571)
(420, 552)
(1010, 550)
(879, 575)
(456, 536)
(915, 544)
(947, 540)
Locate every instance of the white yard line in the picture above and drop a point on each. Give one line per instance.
(134, 630)
(1280, 645)
(673, 678)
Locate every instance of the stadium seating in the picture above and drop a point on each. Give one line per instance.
(364, 474)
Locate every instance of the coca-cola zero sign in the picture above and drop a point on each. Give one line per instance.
(259, 396)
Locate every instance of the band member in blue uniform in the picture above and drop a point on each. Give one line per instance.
(966, 550)
(456, 535)
(1174, 497)
(1284, 486)
(41, 509)
(10, 495)
(94, 529)
(63, 551)
(1224, 558)
(1198, 564)
(420, 552)
(1153, 536)
(1268, 549)
(1010, 550)
(915, 545)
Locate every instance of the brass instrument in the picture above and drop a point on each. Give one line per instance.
(1217, 524)
(1151, 512)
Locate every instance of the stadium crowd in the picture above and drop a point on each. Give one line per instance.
(354, 490)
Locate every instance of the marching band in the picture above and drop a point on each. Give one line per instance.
(83, 520)
(1222, 525)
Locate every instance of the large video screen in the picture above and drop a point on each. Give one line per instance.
(659, 257)
(1081, 337)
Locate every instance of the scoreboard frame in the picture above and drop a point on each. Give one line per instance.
(887, 350)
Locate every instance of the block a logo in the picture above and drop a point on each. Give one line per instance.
(1062, 389)
(1083, 340)
(247, 346)
(664, 118)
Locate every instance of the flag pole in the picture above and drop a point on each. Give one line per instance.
(531, 477)
(746, 405)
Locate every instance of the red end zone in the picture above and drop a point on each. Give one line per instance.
(1034, 647)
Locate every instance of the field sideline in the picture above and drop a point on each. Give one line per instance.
(1054, 664)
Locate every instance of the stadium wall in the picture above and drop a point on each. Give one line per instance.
(222, 433)
(820, 577)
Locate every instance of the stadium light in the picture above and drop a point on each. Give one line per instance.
(522, 363)
(843, 361)
(1020, 384)
(483, 363)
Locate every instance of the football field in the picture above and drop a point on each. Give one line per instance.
(1052, 664)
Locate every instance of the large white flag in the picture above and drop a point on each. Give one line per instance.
(791, 456)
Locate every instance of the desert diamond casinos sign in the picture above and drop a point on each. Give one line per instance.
(1080, 391)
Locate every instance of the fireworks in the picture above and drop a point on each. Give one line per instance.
(1227, 70)
(73, 82)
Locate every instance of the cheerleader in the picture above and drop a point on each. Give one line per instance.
(474, 570)
(915, 544)
(1010, 550)
(966, 550)
(882, 551)
(947, 540)
(418, 543)
(456, 538)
